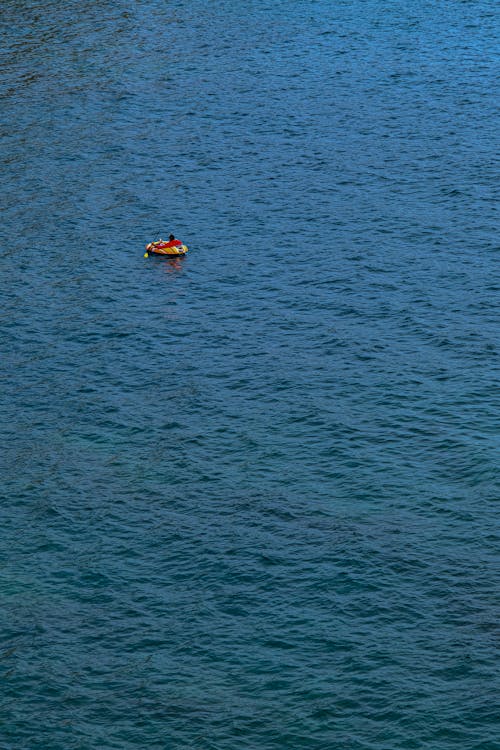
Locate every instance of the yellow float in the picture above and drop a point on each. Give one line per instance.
(168, 249)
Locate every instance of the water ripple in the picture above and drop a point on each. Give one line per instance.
(248, 497)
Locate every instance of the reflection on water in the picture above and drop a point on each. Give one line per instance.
(166, 265)
(174, 265)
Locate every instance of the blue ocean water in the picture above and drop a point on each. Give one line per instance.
(248, 498)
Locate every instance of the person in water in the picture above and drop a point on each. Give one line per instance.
(172, 242)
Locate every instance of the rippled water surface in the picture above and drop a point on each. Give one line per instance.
(248, 497)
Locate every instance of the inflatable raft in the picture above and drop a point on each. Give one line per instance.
(169, 249)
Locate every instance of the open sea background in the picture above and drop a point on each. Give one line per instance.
(248, 497)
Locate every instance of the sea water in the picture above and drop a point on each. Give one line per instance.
(248, 497)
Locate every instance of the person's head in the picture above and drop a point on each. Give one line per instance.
(171, 237)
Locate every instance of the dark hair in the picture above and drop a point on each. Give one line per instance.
(171, 237)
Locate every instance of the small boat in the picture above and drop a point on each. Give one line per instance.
(169, 249)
